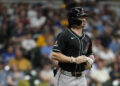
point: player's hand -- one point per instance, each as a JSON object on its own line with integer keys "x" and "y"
{"x": 81, "y": 59}
{"x": 88, "y": 66}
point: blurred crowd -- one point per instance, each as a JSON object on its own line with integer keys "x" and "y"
{"x": 28, "y": 32}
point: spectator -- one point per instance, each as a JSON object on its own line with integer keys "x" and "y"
{"x": 38, "y": 21}
{"x": 14, "y": 76}
{"x": 95, "y": 32}
{"x": 46, "y": 50}
{"x": 41, "y": 41}
{"x": 28, "y": 43}
{"x": 23, "y": 17}
{"x": 115, "y": 44}
{"x": 32, "y": 13}
{"x": 115, "y": 73}
{"x": 22, "y": 63}
{"x": 107, "y": 9}
{"x": 96, "y": 22}
{"x": 18, "y": 33}
{"x": 56, "y": 21}
{"x": 10, "y": 10}
{"x": 46, "y": 74}
{"x": 106, "y": 37}
{"x": 48, "y": 12}
{"x": 107, "y": 54}
{"x": 8, "y": 55}
{"x": 3, "y": 74}
{"x": 97, "y": 47}
{"x": 101, "y": 74}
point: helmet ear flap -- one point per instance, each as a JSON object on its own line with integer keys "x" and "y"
{"x": 74, "y": 22}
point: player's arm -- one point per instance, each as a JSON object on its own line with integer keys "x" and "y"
{"x": 63, "y": 58}
{"x": 60, "y": 57}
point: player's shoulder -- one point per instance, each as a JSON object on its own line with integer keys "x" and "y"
{"x": 63, "y": 33}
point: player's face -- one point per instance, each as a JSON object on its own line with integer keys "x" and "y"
{"x": 83, "y": 19}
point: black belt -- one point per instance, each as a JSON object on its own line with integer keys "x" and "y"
{"x": 76, "y": 74}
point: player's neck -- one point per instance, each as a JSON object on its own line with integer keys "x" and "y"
{"x": 77, "y": 31}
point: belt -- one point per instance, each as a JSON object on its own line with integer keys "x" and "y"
{"x": 76, "y": 74}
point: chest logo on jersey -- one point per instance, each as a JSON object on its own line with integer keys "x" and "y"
{"x": 72, "y": 37}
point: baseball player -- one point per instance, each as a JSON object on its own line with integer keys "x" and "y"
{"x": 73, "y": 51}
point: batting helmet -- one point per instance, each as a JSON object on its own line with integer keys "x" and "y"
{"x": 74, "y": 14}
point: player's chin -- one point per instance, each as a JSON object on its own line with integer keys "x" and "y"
{"x": 83, "y": 26}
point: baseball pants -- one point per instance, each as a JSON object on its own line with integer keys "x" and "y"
{"x": 64, "y": 80}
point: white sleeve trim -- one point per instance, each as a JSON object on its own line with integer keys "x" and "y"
{"x": 56, "y": 50}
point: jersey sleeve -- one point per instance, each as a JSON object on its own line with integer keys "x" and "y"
{"x": 60, "y": 43}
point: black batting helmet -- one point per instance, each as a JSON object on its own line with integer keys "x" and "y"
{"x": 74, "y": 14}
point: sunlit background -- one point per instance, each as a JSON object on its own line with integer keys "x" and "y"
{"x": 28, "y": 29}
